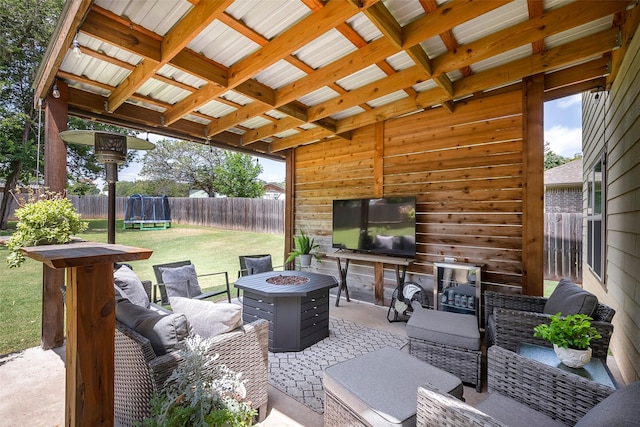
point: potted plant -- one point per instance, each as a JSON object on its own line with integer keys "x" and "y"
{"x": 44, "y": 218}
{"x": 570, "y": 336}
{"x": 200, "y": 393}
{"x": 303, "y": 245}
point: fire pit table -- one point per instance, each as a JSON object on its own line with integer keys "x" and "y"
{"x": 296, "y": 304}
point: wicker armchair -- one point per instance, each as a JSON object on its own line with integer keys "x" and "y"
{"x": 138, "y": 372}
{"x": 515, "y": 380}
{"x": 511, "y": 319}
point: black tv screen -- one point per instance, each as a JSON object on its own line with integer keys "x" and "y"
{"x": 385, "y": 225}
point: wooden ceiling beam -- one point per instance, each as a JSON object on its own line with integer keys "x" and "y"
{"x": 300, "y": 139}
{"x": 386, "y": 23}
{"x": 188, "y": 28}
{"x": 536, "y": 10}
{"x": 553, "y": 22}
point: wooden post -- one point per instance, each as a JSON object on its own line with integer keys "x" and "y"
{"x": 533, "y": 194}
{"x": 90, "y": 325}
{"x": 289, "y": 203}
{"x": 55, "y": 178}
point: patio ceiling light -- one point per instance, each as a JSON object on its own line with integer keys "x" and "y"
{"x": 76, "y": 47}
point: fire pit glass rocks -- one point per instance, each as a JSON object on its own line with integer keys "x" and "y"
{"x": 287, "y": 280}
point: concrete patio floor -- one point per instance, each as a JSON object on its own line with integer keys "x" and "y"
{"x": 32, "y": 382}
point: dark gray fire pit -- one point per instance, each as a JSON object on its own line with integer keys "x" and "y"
{"x": 296, "y": 304}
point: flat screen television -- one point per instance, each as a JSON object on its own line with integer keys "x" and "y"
{"x": 384, "y": 226}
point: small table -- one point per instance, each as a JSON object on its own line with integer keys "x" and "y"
{"x": 596, "y": 370}
{"x": 298, "y": 314}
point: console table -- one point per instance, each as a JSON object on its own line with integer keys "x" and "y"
{"x": 400, "y": 264}
{"x": 91, "y": 322}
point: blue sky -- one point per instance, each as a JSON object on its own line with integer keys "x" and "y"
{"x": 562, "y": 129}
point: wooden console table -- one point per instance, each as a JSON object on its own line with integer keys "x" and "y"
{"x": 379, "y": 261}
{"x": 91, "y": 322}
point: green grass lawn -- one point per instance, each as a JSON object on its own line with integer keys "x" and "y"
{"x": 209, "y": 249}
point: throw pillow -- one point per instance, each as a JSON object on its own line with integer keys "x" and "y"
{"x": 181, "y": 281}
{"x": 164, "y": 331}
{"x": 207, "y": 318}
{"x": 131, "y": 286}
{"x": 258, "y": 265}
{"x": 569, "y": 298}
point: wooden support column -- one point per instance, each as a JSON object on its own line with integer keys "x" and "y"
{"x": 91, "y": 320}
{"x": 533, "y": 181}
{"x": 289, "y": 203}
{"x": 378, "y": 191}
{"x": 55, "y": 178}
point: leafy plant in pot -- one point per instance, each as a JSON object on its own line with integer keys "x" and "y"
{"x": 570, "y": 336}
{"x": 303, "y": 245}
{"x": 44, "y": 218}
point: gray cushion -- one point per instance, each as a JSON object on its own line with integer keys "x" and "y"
{"x": 569, "y": 298}
{"x": 130, "y": 286}
{"x": 443, "y": 327}
{"x": 258, "y": 265}
{"x": 181, "y": 281}
{"x": 619, "y": 409}
{"x": 164, "y": 331}
{"x": 382, "y": 386}
{"x": 515, "y": 414}
{"x": 207, "y": 318}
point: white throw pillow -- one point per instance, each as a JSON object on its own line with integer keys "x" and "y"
{"x": 207, "y": 318}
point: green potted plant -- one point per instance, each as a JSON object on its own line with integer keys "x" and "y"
{"x": 44, "y": 218}
{"x": 570, "y": 336}
{"x": 200, "y": 393}
{"x": 303, "y": 245}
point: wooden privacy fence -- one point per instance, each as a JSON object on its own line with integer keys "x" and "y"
{"x": 563, "y": 246}
{"x": 259, "y": 215}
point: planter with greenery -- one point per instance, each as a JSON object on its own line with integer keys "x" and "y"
{"x": 303, "y": 245}
{"x": 200, "y": 393}
{"x": 570, "y": 336}
{"x": 43, "y": 219}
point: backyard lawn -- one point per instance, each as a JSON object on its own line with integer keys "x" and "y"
{"x": 209, "y": 249}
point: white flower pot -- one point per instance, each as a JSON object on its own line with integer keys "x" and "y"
{"x": 573, "y": 358}
{"x": 305, "y": 260}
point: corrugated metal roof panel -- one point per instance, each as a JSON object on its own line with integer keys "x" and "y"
{"x": 404, "y": 11}
{"x": 360, "y": 78}
{"x": 173, "y": 73}
{"x": 503, "y": 58}
{"x": 400, "y": 61}
{"x": 224, "y": 45}
{"x": 268, "y": 18}
{"x": 425, "y": 85}
{"x": 325, "y": 49}
{"x": 308, "y": 126}
{"x": 394, "y": 96}
{"x": 347, "y": 113}
{"x": 433, "y": 47}
{"x": 578, "y": 32}
{"x": 276, "y": 114}
{"x": 363, "y": 26}
{"x": 255, "y": 122}
{"x": 147, "y": 105}
{"x": 216, "y": 109}
{"x": 162, "y": 92}
{"x": 280, "y": 74}
{"x": 237, "y": 98}
{"x": 317, "y": 96}
{"x": 197, "y": 119}
{"x": 287, "y": 133}
{"x": 500, "y": 18}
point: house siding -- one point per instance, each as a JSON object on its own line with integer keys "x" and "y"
{"x": 612, "y": 124}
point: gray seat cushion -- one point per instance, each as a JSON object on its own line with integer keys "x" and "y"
{"x": 258, "y": 265}
{"x": 181, "y": 281}
{"x": 619, "y": 409}
{"x": 164, "y": 331}
{"x": 514, "y": 413}
{"x": 382, "y": 386}
{"x": 569, "y": 298}
{"x": 446, "y": 328}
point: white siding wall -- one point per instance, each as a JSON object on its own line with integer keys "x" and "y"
{"x": 618, "y": 115}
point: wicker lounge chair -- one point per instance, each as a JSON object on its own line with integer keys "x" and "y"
{"x": 139, "y": 372}
{"x": 522, "y": 392}
{"x": 511, "y": 319}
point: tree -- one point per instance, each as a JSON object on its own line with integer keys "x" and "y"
{"x": 183, "y": 162}
{"x": 551, "y": 159}
{"x": 85, "y": 187}
{"x": 238, "y": 176}
{"x": 152, "y": 188}
{"x": 27, "y": 26}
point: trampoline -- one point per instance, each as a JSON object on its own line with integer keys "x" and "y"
{"x": 148, "y": 213}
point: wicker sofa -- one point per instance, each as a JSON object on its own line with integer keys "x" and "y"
{"x": 524, "y": 392}
{"x": 511, "y": 318}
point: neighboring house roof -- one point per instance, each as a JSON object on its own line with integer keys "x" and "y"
{"x": 273, "y": 188}
{"x": 567, "y": 175}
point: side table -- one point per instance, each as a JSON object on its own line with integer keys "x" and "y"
{"x": 596, "y": 370}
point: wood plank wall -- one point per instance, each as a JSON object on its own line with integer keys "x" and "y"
{"x": 465, "y": 168}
